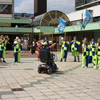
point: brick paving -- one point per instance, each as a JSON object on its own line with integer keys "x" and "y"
{"x": 9, "y": 54}
{"x": 21, "y": 81}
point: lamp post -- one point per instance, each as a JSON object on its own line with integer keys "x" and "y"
{"x": 32, "y": 17}
{"x": 16, "y": 27}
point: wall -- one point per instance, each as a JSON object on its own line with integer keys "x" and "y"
{"x": 6, "y": 1}
{"x": 96, "y": 35}
{"x": 77, "y": 15}
{"x": 7, "y": 14}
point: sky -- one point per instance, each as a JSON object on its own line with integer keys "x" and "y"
{"x": 27, "y": 6}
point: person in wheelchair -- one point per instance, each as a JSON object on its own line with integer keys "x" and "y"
{"x": 46, "y": 48}
{"x": 46, "y": 56}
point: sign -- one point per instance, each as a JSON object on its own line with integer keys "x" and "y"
{"x": 5, "y": 24}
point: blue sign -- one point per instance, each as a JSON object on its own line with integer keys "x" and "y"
{"x": 61, "y": 25}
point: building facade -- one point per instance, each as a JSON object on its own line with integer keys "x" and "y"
{"x": 40, "y": 7}
{"x": 22, "y": 15}
{"x": 76, "y": 19}
{"x": 6, "y": 8}
{"x": 81, "y": 4}
{"x": 46, "y": 25}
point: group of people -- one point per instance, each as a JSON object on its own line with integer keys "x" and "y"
{"x": 90, "y": 51}
{"x": 4, "y": 40}
{"x": 75, "y": 49}
{"x": 17, "y": 46}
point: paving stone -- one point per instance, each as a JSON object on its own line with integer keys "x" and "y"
{"x": 8, "y": 96}
{"x": 37, "y": 82}
{"x": 26, "y": 98}
{"x": 88, "y": 98}
{"x": 11, "y": 99}
{"x": 6, "y": 93}
{"x": 42, "y": 97}
{"x": 21, "y": 94}
{"x": 54, "y": 97}
{"x": 26, "y": 86}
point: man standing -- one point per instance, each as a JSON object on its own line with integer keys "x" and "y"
{"x": 33, "y": 46}
{"x": 75, "y": 48}
{"x": 64, "y": 49}
{"x": 5, "y": 41}
{"x": 85, "y": 53}
{"x": 92, "y": 47}
{"x": 16, "y": 51}
{"x": 96, "y": 58}
{"x": 1, "y": 48}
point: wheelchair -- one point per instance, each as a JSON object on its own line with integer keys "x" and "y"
{"x": 48, "y": 59}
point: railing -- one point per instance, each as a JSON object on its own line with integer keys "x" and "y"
{"x": 88, "y": 1}
{"x": 80, "y": 3}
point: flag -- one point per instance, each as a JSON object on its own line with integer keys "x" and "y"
{"x": 61, "y": 25}
{"x": 86, "y": 18}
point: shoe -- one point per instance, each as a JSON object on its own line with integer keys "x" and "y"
{"x": 86, "y": 66}
{"x": 15, "y": 61}
{"x": 99, "y": 68}
{"x": 82, "y": 66}
{"x": 19, "y": 61}
{"x": 4, "y": 61}
{"x": 74, "y": 60}
{"x": 94, "y": 67}
{"x": 61, "y": 60}
{"x": 78, "y": 60}
{"x": 65, "y": 60}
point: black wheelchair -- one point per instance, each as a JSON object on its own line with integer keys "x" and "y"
{"x": 48, "y": 59}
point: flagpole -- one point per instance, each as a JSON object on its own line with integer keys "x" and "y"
{"x": 65, "y": 34}
{"x": 81, "y": 21}
{"x": 71, "y": 25}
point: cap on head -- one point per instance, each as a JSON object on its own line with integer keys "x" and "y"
{"x": 17, "y": 37}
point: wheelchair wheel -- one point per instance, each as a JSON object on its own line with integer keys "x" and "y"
{"x": 49, "y": 71}
{"x": 54, "y": 67}
{"x": 39, "y": 71}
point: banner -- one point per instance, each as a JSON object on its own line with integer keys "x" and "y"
{"x": 5, "y": 24}
{"x": 86, "y": 18}
{"x": 61, "y": 25}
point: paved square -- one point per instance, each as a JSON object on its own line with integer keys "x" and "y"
{"x": 21, "y": 81}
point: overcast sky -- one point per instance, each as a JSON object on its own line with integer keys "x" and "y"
{"x": 27, "y": 6}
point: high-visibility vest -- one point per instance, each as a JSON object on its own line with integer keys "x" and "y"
{"x": 1, "y": 46}
{"x": 86, "y": 49}
{"x": 75, "y": 46}
{"x": 16, "y": 47}
{"x": 98, "y": 49}
{"x": 92, "y": 49}
{"x": 65, "y": 45}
